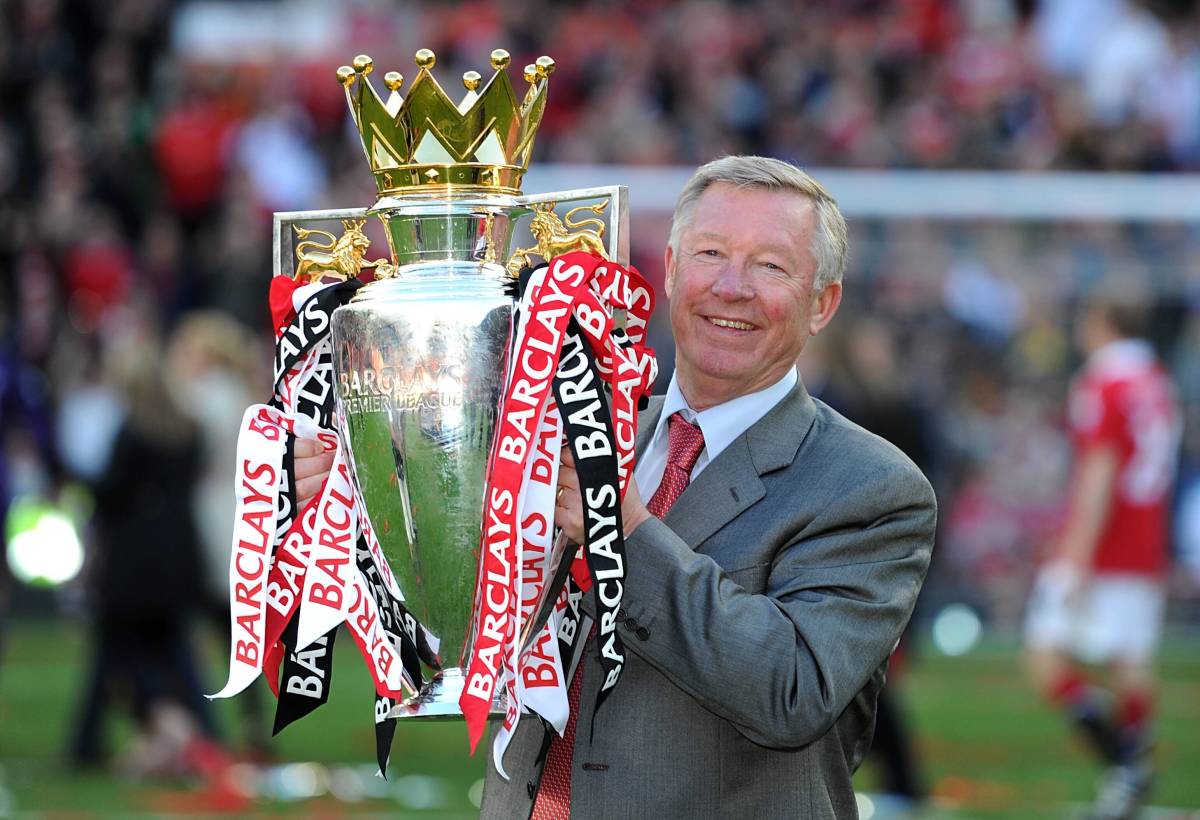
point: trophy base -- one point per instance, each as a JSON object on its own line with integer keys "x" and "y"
{"x": 438, "y": 699}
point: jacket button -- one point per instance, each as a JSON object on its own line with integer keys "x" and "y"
{"x": 620, "y": 614}
{"x": 631, "y": 624}
{"x": 642, "y": 633}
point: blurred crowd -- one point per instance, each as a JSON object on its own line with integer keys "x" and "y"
{"x": 957, "y": 343}
{"x": 140, "y": 162}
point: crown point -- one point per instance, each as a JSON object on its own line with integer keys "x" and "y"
{"x": 345, "y": 75}
{"x": 393, "y": 80}
{"x": 530, "y": 73}
{"x": 425, "y": 59}
{"x": 432, "y": 175}
{"x": 500, "y": 59}
{"x": 471, "y": 80}
{"x": 545, "y": 66}
{"x": 363, "y": 64}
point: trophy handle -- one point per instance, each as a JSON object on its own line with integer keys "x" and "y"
{"x": 311, "y": 260}
{"x": 612, "y": 243}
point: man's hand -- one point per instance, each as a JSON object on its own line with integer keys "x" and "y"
{"x": 568, "y": 505}
{"x": 312, "y": 464}
{"x": 633, "y": 511}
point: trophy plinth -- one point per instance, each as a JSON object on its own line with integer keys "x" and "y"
{"x": 438, "y": 699}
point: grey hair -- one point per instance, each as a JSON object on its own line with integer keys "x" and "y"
{"x": 830, "y": 241}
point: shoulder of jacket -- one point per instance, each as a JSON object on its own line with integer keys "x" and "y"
{"x": 836, "y": 444}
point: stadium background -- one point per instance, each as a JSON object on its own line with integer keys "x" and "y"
{"x": 997, "y": 158}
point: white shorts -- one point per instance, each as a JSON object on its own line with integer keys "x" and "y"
{"x": 1116, "y": 616}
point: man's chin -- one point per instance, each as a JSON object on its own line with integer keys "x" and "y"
{"x": 713, "y": 383}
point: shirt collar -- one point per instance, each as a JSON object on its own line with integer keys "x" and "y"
{"x": 723, "y": 423}
{"x": 1121, "y": 355}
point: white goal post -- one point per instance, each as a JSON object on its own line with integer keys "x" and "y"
{"x": 943, "y": 195}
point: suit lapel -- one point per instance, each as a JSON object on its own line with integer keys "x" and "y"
{"x": 732, "y": 482}
{"x": 727, "y": 487}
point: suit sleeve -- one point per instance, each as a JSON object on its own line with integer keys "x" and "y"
{"x": 782, "y": 666}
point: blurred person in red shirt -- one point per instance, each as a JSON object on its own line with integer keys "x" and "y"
{"x": 1099, "y": 599}
{"x": 191, "y": 148}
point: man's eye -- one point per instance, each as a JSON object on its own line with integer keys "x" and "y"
{"x": 713, "y": 252}
{"x": 771, "y": 266}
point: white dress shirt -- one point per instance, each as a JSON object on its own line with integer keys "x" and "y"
{"x": 720, "y": 425}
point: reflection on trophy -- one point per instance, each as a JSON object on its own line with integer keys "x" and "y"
{"x": 420, "y": 352}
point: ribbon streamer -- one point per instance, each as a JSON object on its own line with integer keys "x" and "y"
{"x": 584, "y": 289}
{"x": 297, "y": 574}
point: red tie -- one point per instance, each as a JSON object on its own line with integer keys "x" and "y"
{"x": 554, "y": 796}
{"x": 684, "y": 445}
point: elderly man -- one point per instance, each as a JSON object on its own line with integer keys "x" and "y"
{"x": 778, "y": 556}
{"x": 775, "y": 563}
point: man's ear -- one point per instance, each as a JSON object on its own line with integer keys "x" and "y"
{"x": 825, "y": 305}
{"x": 669, "y": 269}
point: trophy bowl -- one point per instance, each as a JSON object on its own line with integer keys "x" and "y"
{"x": 420, "y": 360}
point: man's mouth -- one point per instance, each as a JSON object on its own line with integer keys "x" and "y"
{"x": 729, "y": 323}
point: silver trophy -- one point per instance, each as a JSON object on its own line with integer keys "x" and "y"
{"x": 420, "y": 351}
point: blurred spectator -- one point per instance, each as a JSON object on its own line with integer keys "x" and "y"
{"x": 90, "y": 412}
{"x": 1064, "y": 31}
{"x": 984, "y": 300}
{"x": 859, "y": 375}
{"x": 146, "y": 581}
{"x": 28, "y": 463}
{"x": 866, "y": 384}
{"x": 214, "y": 375}
{"x": 191, "y": 146}
{"x": 1187, "y": 532}
{"x": 274, "y": 150}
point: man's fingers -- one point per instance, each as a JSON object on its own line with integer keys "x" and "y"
{"x": 306, "y": 488}
{"x": 317, "y": 465}
{"x": 567, "y": 477}
{"x": 567, "y": 457}
{"x": 311, "y": 464}
{"x": 307, "y": 447}
{"x": 568, "y": 514}
{"x": 567, "y": 495}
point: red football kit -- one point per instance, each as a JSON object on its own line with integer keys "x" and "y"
{"x": 1124, "y": 399}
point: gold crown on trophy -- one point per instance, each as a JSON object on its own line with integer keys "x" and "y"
{"x": 425, "y": 142}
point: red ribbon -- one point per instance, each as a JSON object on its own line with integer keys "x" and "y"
{"x": 589, "y": 288}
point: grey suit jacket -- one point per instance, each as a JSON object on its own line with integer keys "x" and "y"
{"x": 757, "y": 619}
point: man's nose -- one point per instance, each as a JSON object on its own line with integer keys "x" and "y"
{"x": 732, "y": 284}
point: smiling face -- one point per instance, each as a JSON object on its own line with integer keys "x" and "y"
{"x": 741, "y": 286}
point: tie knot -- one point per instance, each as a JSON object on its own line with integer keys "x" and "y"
{"x": 684, "y": 443}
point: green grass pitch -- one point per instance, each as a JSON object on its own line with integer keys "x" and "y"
{"x": 988, "y": 748}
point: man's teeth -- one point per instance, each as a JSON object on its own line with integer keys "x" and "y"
{"x": 730, "y": 323}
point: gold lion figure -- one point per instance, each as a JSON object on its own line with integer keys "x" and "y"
{"x": 340, "y": 257}
{"x": 558, "y": 236}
